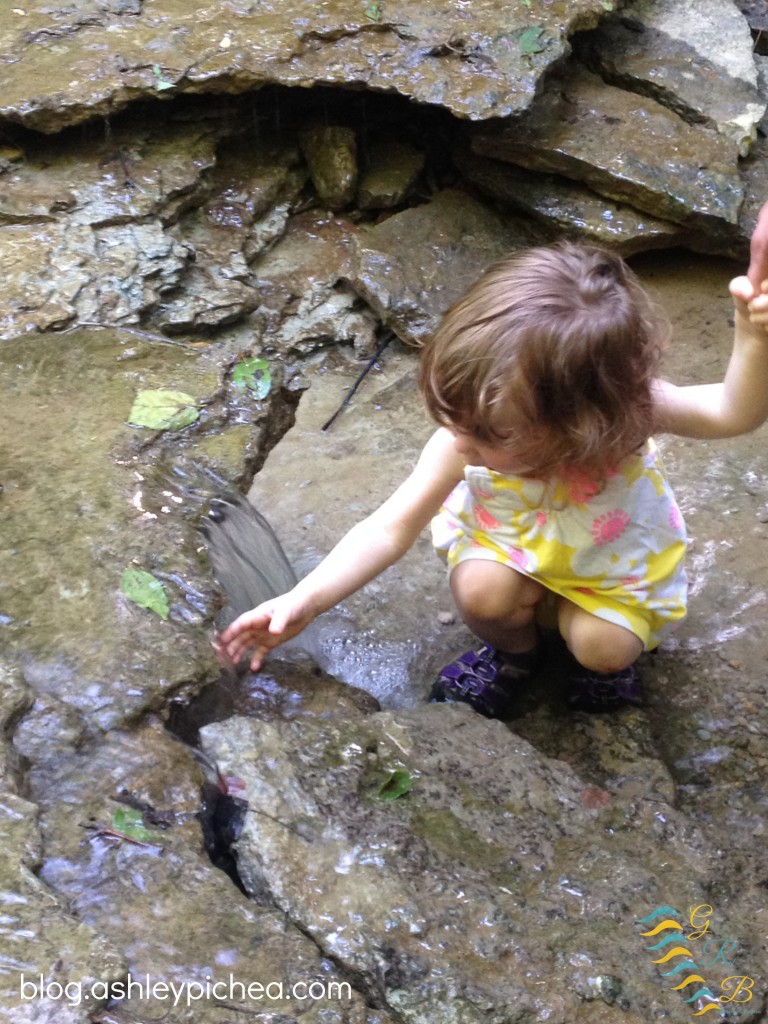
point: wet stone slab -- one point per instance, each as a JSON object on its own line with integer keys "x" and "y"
{"x": 87, "y": 496}
{"x": 568, "y": 208}
{"x": 178, "y": 920}
{"x": 478, "y": 60}
{"x": 411, "y": 267}
{"x": 694, "y": 56}
{"x": 45, "y": 950}
{"x": 628, "y": 148}
{"x": 499, "y": 886}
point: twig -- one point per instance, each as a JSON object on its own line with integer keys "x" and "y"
{"x": 366, "y": 370}
{"x": 130, "y": 330}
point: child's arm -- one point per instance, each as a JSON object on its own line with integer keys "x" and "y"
{"x": 365, "y": 551}
{"x": 740, "y": 402}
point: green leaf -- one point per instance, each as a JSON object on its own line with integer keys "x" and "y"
{"x": 607, "y": 5}
{"x": 130, "y": 822}
{"x": 160, "y": 82}
{"x": 530, "y": 40}
{"x": 254, "y": 374}
{"x": 373, "y": 12}
{"x": 145, "y": 590}
{"x": 527, "y": 3}
{"x": 398, "y": 784}
{"x": 163, "y": 410}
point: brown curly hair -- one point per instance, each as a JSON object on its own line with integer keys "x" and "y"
{"x": 551, "y": 353}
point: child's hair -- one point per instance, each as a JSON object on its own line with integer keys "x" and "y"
{"x": 550, "y": 353}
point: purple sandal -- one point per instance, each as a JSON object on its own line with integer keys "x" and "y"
{"x": 597, "y": 692}
{"x": 486, "y": 680}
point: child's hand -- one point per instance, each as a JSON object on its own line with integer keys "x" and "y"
{"x": 260, "y": 630}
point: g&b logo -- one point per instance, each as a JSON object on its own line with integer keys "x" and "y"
{"x": 710, "y": 952}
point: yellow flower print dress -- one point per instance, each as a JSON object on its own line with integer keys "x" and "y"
{"x": 615, "y": 549}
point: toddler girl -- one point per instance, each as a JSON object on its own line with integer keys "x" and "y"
{"x": 542, "y": 482}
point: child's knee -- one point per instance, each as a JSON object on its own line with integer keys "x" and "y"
{"x": 601, "y": 646}
{"x": 491, "y": 592}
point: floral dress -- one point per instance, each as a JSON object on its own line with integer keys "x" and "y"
{"x": 614, "y": 548}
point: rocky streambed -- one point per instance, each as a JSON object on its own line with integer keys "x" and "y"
{"x": 190, "y": 236}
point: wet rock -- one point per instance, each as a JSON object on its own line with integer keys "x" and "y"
{"x": 83, "y": 227}
{"x": 412, "y": 266}
{"x": 568, "y": 208}
{"x": 478, "y": 60}
{"x": 129, "y": 499}
{"x": 290, "y": 686}
{"x": 628, "y": 148}
{"x": 49, "y": 956}
{"x": 178, "y": 919}
{"x": 500, "y": 885}
{"x": 390, "y": 175}
{"x": 331, "y": 154}
{"x": 136, "y": 171}
{"x": 49, "y": 729}
{"x": 304, "y": 301}
{"x": 694, "y": 57}
{"x": 15, "y": 699}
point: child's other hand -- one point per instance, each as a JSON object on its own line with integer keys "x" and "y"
{"x": 260, "y": 630}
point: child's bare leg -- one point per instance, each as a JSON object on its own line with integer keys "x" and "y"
{"x": 497, "y": 603}
{"x": 598, "y": 645}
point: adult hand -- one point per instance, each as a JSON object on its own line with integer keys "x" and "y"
{"x": 758, "y": 250}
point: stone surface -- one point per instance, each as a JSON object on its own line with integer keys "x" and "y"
{"x": 566, "y": 207}
{"x": 331, "y": 154}
{"x": 613, "y": 142}
{"x": 478, "y": 60}
{"x": 391, "y": 172}
{"x": 412, "y": 266}
{"x": 304, "y": 302}
{"x": 178, "y": 919}
{"x": 120, "y": 503}
{"x": 48, "y": 957}
{"x": 15, "y": 699}
{"x": 499, "y": 886}
{"x": 693, "y": 56}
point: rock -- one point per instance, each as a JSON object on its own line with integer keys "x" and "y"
{"x": 627, "y": 148}
{"x": 15, "y": 699}
{"x": 479, "y": 60}
{"x": 466, "y": 898}
{"x": 304, "y": 301}
{"x": 128, "y": 499}
{"x": 695, "y": 57}
{"x": 50, "y": 958}
{"x": 392, "y": 169}
{"x": 568, "y": 208}
{"x": 755, "y": 13}
{"x": 411, "y": 267}
{"x": 331, "y": 153}
{"x": 131, "y": 173}
{"x": 179, "y": 919}
{"x": 290, "y": 685}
